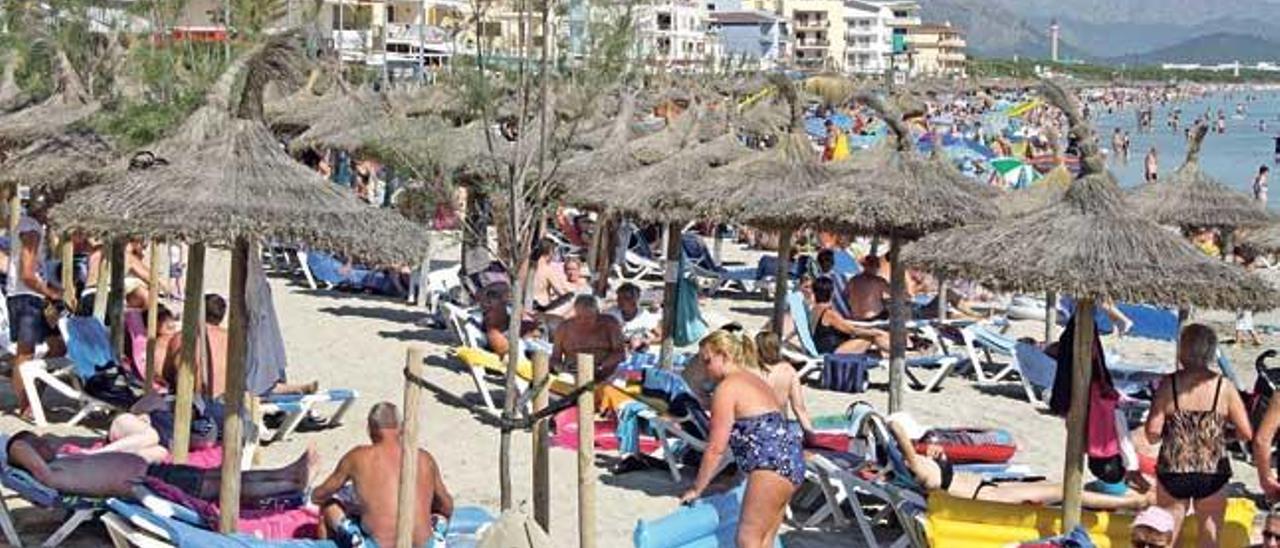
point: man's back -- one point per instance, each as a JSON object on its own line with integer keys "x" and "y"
{"x": 866, "y": 296}
{"x": 376, "y": 477}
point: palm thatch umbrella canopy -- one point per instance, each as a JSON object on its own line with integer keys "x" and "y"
{"x": 1048, "y": 190}
{"x": 1093, "y": 246}
{"x": 69, "y": 104}
{"x": 1191, "y": 198}
{"x": 666, "y": 192}
{"x": 240, "y": 188}
{"x": 54, "y": 166}
{"x": 11, "y": 96}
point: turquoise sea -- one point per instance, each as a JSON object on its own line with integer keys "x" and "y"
{"x": 1233, "y": 158}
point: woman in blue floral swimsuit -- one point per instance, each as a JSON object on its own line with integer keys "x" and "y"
{"x": 746, "y": 418}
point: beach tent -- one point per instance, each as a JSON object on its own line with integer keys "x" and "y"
{"x": 1093, "y": 245}
{"x": 1013, "y": 173}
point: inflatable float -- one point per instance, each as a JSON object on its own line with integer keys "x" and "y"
{"x": 710, "y": 522}
{"x": 953, "y": 522}
{"x": 971, "y": 445}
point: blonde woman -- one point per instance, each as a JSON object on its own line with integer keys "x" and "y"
{"x": 747, "y": 419}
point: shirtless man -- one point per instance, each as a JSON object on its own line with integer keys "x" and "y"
{"x": 867, "y": 292}
{"x": 116, "y": 474}
{"x": 588, "y": 332}
{"x": 366, "y": 484}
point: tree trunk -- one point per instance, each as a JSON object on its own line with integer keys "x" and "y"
{"x": 192, "y": 341}
{"x": 670, "y": 296}
{"x": 897, "y": 324}
{"x": 1078, "y": 414}
{"x": 781, "y": 276}
{"x": 233, "y": 422}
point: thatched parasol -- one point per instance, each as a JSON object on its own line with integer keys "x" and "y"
{"x": 1191, "y": 198}
{"x": 54, "y": 166}
{"x": 1093, "y": 246}
{"x": 582, "y": 174}
{"x": 666, "y": 192}
{"x": 69, "y": 104}
{"x": 1261, "y": 240}
{"x": 239, "y": 188}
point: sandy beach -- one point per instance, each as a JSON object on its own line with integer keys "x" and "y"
{"x": 359, "y": 342}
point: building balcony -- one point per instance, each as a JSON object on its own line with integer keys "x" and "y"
{"x": 811, "y": 24}
{"x": 953, "y": 57}
{"x": 953, "y": 43}
{"x": 812, "y": 44}
{"x": 898, "y": 22}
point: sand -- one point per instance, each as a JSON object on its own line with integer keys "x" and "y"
{"x": 359, "y": 342}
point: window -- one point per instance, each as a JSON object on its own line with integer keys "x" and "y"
{"x": 352, "y": 17}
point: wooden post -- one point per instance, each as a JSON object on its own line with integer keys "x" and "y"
{"x": 68, "y": 254}
{"x": 541, "y": 447}
{"x": 153, "y": 317}
{"x": 586, "y": 454}
{"x": 942, "y": 298}
{"x": 897, "y": 324}
{"x": 192, "y": 342}
{"x": 407, "y": 501}
{"x": 102, "y": 286}
{"x": 1078, "y": 414}
{"x": 671, "y": 282}
{"x": 717, "y": 243}
{"x": 233, "y": 422}
{"x": 15, "y": 212}
{"x": 1050, "y": 316}
{"x": 1228, "y": 243}
{"x": 420, "y": 300}
{"x": 604, "y": 259}
{"x": 115, "y": 297}
{"x": 781, "y": 276}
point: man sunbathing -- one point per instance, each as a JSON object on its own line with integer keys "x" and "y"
{"x": 116, "y": 474}
{"x": 933, "y": 472}
{"x": 588, "y": 332}
{"x": 866, "y": 294}
{"x": 365, "y": 486}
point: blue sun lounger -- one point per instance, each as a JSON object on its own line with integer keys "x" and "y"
{"x": 297, "y": 407}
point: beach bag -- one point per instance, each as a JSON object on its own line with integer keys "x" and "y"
{"x": 845, "y": 372}
{"x": 1060, "y": 399}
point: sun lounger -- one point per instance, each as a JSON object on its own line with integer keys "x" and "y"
{"x": 78, "y": 509}
{"x": 633, "y": 267}
{"x": 61, "y": 373}
{"x": 297, "y": 407}
{"x": 982, "y": 344}
{"x": 479, "y": 361}
{"x": 810, "y": 359}
{"x": 888, "y": 503}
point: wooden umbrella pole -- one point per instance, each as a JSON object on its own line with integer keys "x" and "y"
{"x": 233, "y": 422}
{"x": 1050, "y": 315}
{"x": 1228, "y": 243}
{"x": 67, "y": 252}
{"x": 586, "y": 454}
{"x": 541, "y": 447}
{"x": 15, "y": 212}
{"x": 102, "y": 286}
{"x": 192, "y": 341}
{"x": 671, "y": 278}
{"x": 942, "y": 298}
{"x": 1078, "y": 414}
{"x": 115, "y": 298}
{"x": 781, "y": 276}
{"x": 897, "y": 324}
{"x": 604, "y": 256}
{"x": 153, "y": 317}
{"x": 406, "y": 501}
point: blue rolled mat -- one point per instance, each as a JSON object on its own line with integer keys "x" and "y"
{"x": 710, "y": 522}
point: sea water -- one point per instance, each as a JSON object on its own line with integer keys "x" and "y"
{"x": 1232, "y": 158}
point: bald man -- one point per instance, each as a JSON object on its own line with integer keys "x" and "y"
{"x": 359, "y": 499}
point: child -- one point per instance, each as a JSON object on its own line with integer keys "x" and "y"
{"x": 1152, "y": 528}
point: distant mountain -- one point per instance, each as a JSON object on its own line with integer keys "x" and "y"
{"x": 993, "y": 31}
{"x": 1213, "y": 48}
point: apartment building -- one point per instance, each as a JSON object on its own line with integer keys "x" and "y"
{"x": 675, "y": 33}
{"x": 819, "y": 30}
{"x": 399, "y": 33}
{"x": 756, "y": 35}
{"x": 937, "y": 50}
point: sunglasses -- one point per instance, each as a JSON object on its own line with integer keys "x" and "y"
{"x": 1269, "y": 536}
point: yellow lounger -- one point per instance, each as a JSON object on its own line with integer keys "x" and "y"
{"x": 482, "y": 360}
{"x": 953, "y": 522}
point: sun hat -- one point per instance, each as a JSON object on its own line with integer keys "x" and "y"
{"x": 1155, "y": 518}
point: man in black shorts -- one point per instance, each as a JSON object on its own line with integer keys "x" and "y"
{"x": 27, "y": 290}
